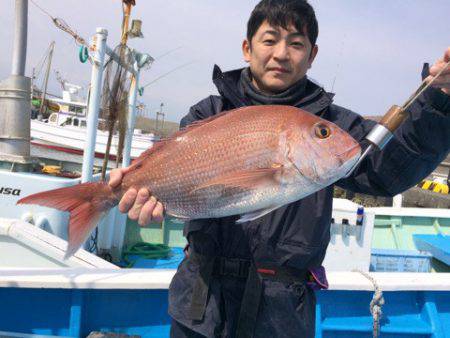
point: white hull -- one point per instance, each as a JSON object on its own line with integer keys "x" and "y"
{"x": 75, "y": 138}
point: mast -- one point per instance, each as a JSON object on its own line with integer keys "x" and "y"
{"x": 47, "y": 74}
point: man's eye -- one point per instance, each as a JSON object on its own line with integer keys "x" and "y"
{"x": 297, "y": 44}
{"x": 269, "y": 42}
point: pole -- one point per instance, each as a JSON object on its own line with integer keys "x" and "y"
{"x": 20, "y": 38}
{"x": 99, "y": 46}
{"x": 125, "y": 22}
{"x": 131, "y": 120}
{"x": 120, "y": 219}
{"x": 15, "y": 100}
{"x": 47, "y": 74}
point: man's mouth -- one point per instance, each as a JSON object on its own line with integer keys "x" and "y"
{"x": 279, "y": 69}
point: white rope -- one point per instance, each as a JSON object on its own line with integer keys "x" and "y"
{"x": 375, "y": 304}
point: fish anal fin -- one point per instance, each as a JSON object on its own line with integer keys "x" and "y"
{"x": 255, "y": 214}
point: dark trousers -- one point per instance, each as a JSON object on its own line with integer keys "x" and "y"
{"x": 178, "y": 330}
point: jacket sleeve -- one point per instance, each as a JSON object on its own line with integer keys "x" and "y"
{"x": 202, "y": 110}
{"x": 417, "y": 148}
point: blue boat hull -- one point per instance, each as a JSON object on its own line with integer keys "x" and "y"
{"x": 77, "y": 312}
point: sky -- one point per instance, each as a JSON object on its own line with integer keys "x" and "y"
{"x": 370, "y": 51}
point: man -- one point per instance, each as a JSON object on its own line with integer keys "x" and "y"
{"x": 254, "y": 279}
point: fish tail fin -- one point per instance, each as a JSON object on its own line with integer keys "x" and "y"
{"x": 87, "y": 204}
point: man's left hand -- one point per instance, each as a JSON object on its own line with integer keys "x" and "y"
{"x": 443, "y": 81}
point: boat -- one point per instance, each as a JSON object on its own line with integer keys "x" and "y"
{"x": 134, "y": 301}
{"x": 77, "y": 301}
{"x": 65, "y": 129}
{"x": 67, "y": 133}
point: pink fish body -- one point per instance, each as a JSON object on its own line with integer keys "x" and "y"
{"x": 247, "y": 162}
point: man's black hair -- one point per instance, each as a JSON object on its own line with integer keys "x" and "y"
{"x": 282, "y": 13}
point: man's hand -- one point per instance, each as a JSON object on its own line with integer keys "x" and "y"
{"x": 443, "y": 81}
{"x": 140, "y": 205}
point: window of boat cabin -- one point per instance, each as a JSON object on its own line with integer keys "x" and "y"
{"x": 76, "y": 109}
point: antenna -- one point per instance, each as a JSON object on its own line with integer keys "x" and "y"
{"x": 159, "y": 114}
{"x": 338, "y": 59}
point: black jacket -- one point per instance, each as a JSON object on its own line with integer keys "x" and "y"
{"x": 298, "y": 234}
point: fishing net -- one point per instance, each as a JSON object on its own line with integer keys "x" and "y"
{"x": 114, "y": 104}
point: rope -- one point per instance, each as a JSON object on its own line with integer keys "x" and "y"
{"x": 375, "y": 304}
{"x": 61, "y": 24}
{"x": 42, "y": 10}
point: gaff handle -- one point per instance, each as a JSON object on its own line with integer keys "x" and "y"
{"x": 394, "y": 118}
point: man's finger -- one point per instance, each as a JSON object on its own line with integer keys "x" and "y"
{"x": 115, "y": 177}
{"x": 142, "y": 197}
{"x": 145, "y": 216}
{"x": 437, "y": 67}
{"x": 127, "y": 200}
{"x": 158, "y": 212}
{"x": 443, "y": 79}
{"x": 447, "y": 55}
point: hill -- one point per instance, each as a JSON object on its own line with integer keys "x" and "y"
{"x": 150, "y": 126}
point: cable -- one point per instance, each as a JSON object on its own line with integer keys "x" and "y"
{"x": 169, "y": 72}
{"x": 43, "y": 10}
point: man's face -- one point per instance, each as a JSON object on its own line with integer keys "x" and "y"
{"x": 278, "y": 57}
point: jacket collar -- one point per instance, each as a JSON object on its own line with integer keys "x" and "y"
{"x": 315, "y": 100}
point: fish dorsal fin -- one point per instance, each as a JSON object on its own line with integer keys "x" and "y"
{"x": 161, "y": 143}
{"x": 244, "y": 179}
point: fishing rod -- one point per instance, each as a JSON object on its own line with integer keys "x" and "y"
{"x": 382, "y": 132}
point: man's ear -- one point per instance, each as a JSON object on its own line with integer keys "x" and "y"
{"x": 313, "y": 54}
{"x": 246, "y": 50}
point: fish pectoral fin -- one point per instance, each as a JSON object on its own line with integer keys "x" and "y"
{"x": 181, "y": 217}
{"x": 255, "y": 214}
{"x": 245, "y": 179}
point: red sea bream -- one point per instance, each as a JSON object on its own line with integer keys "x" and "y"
{"x": 246, "y": 161}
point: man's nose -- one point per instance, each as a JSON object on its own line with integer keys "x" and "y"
{"x": 281, "y": 51}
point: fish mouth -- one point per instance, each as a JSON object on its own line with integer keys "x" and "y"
{"x": 351, "y": 156}
{"x": 352, "y": 153}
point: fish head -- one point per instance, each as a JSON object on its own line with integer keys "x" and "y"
{"x": 320, "y": 150}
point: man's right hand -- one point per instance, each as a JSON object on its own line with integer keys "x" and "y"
{"x": 140, "y": 205}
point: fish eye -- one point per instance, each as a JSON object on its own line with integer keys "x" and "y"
{"x": 322, "y": 131}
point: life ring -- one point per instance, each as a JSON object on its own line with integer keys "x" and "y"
{"x": 83, "y": 54}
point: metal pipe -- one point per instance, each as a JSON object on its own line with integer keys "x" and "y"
{"x": 131, "y": 120}
{"x": 20, "y": 38}
{"x": 15, "y": 119}
{"x": 120, "y": 219}
{"x": 99, "y": 46}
